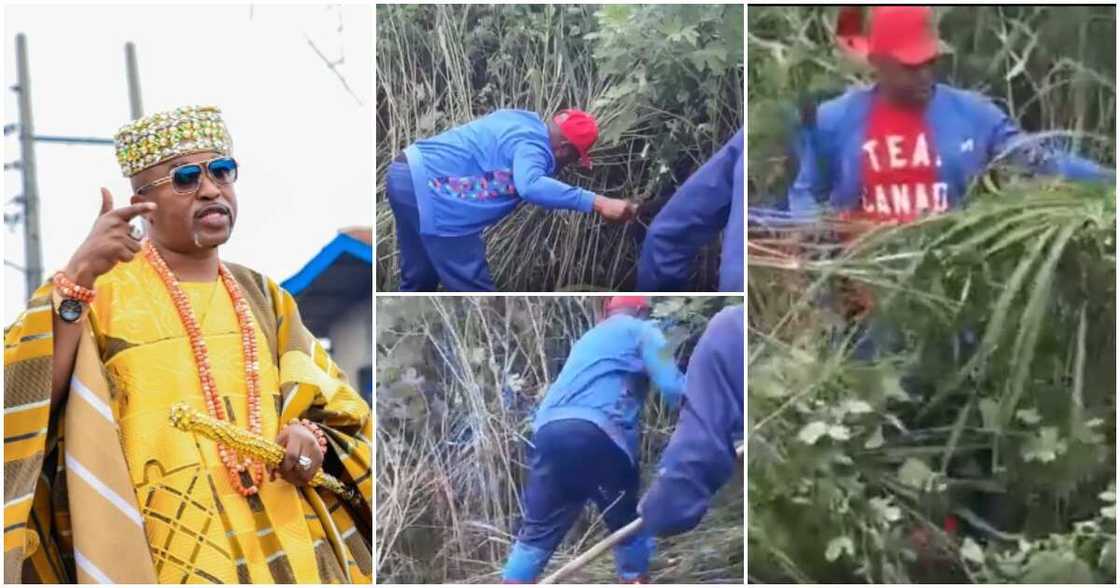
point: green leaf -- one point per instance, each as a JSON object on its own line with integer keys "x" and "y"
{"x": 1044, "y": 447}
{"x": 884, "y": 508}
{"x": 839, "y": 432}
{"x": 876, "y": 440}
{"x": 856, "y": 407}
{"x": 614, "y": 128}
{"x": 1029, "y": 416}
{"x": 892, "y": 386}
{"x": 1033, "y": 319}
{"x": 614, "y": 15}
{"x": 839, "y": 546}
{"x": 766, "y": 383}
{"x": 1107, "y": 560}
{"x": 1057, "y": 567}
{"x": 813, "y": 431}
{"x": 667, "y": 307}
{"x": 915, "y": 473}
{"x": 429, "y": 121}
{"x": 989, "y": 414}
{"x": 411, "y": 377}
{"x": 971, "y": 551}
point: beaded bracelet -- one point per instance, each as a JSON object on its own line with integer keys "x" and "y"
{"x": 71, "y": 289}
{"x": 320, "y": 438}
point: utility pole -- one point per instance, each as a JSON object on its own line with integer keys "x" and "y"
{"x": 135, "y": 106}
{"x": 32, "y": 241}
{"x": 32, "y": 238}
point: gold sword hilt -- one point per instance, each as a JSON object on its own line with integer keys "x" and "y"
{"x": 246, "y": 444}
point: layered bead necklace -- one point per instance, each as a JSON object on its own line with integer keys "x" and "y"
{"x": 249, "y": 356}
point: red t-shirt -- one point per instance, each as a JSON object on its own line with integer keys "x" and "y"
{"x": 900, "y": 164}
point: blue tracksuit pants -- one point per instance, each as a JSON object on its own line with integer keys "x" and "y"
{"x": 427, "y": 260}
{"x": 573, "y": 462}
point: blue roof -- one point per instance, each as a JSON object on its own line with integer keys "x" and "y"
{"x": 338, "y": 276}
{"x": 343, "y": 244}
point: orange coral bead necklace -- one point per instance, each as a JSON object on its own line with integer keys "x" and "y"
{"x": 249, "y": 356}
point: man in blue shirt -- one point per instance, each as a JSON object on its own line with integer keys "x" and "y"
{"x": 700, "y": 457}
{"x": 908, "y": 146}
{"x": 445, "y": 190}
{"x": 709, "y": 201}
{"x": 585, "y": 439}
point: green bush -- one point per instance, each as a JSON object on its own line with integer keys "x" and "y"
{"x": 1016, "y": 438}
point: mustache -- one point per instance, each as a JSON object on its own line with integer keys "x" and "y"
{"x": 215, "y": 207}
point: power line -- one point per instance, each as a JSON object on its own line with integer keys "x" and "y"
{"x": 73, "y": 140}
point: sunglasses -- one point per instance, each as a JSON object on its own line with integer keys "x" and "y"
{"x": 186, "y": 178}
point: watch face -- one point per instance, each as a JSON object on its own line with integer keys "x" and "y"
{"x": 70, "y": 310}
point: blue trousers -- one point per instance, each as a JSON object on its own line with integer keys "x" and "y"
{"x": 427, "y": 260}
{"x": 575, "y": 462}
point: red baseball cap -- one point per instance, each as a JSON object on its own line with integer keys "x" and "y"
{"x": 905, "y": 33}
{"x": 614, "y": 303}
{"x": 580, "y": 129}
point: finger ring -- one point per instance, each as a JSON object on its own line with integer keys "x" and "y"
{"x": 304, "y": 462}
{"x": 135, "y": 230}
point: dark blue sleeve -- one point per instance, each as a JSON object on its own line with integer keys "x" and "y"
{"x": 530, "y": 177}
{"x": 700, "y": 457}
{"x": 731, "y": 257}
{"x": 1033, "y": 152}
{"x": 694, "y": 216}
{"x": 812, "y": 183}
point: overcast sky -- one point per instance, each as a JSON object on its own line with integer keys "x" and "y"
{"x": 304, "y": 143}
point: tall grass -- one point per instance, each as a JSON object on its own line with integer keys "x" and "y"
{"x": 441, "y": 66}
{"x": 458, "y": 379}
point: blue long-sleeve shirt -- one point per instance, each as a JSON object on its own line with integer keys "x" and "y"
{"x": 969, "y": 133}
{"x": 605, "y": 379}
{"x": 472, "y": 176}
{"x": 709, "y": 201}
{"x": 700, "y": 457}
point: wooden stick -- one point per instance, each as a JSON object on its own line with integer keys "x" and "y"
{"x": 601, "y": 547}
{"x": 596, "y": 550}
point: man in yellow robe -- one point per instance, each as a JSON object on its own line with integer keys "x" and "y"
{"x": 98, "y": 485}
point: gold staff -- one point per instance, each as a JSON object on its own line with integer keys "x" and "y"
{"x": 190, "y": 420}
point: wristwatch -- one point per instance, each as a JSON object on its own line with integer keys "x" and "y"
{"x": 70, "y": 300}
{"x": 70, "y": 310}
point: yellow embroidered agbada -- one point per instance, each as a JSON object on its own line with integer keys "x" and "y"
{"x": 157, "y": 505}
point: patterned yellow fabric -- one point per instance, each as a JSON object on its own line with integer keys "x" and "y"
{"x": 197, "y": 528}
{"x": 95, "y": 476}
{"x": 27, "y": 352}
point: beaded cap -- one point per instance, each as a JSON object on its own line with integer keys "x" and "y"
{"x": 158, "y": 137}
